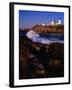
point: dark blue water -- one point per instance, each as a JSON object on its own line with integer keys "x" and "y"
{"x": 48, "y": 36}
{"x": 53, "y": 36}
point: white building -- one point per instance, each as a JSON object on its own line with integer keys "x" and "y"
{"x": 52, "y": 22}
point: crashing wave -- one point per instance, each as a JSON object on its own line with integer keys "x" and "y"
{"x": 35, "y": 37}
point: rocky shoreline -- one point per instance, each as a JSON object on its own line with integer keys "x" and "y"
{"x": 56, "y": 29}
{"x": 38, "y": 60}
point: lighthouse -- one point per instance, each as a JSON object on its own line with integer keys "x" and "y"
{"x": 59, "y": 22}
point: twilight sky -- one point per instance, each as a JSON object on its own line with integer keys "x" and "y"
{"x": 29, "y": 18}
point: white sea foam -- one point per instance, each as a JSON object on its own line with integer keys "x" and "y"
{"x": 35, "y": 37}
{"x": 31, "y": 34}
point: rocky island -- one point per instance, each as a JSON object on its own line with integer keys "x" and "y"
{"x": 57, "y": 29}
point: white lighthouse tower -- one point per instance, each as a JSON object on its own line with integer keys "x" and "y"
{"x": 59, "y": 22}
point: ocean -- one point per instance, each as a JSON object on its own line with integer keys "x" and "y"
{"x": 45, "y": 38}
